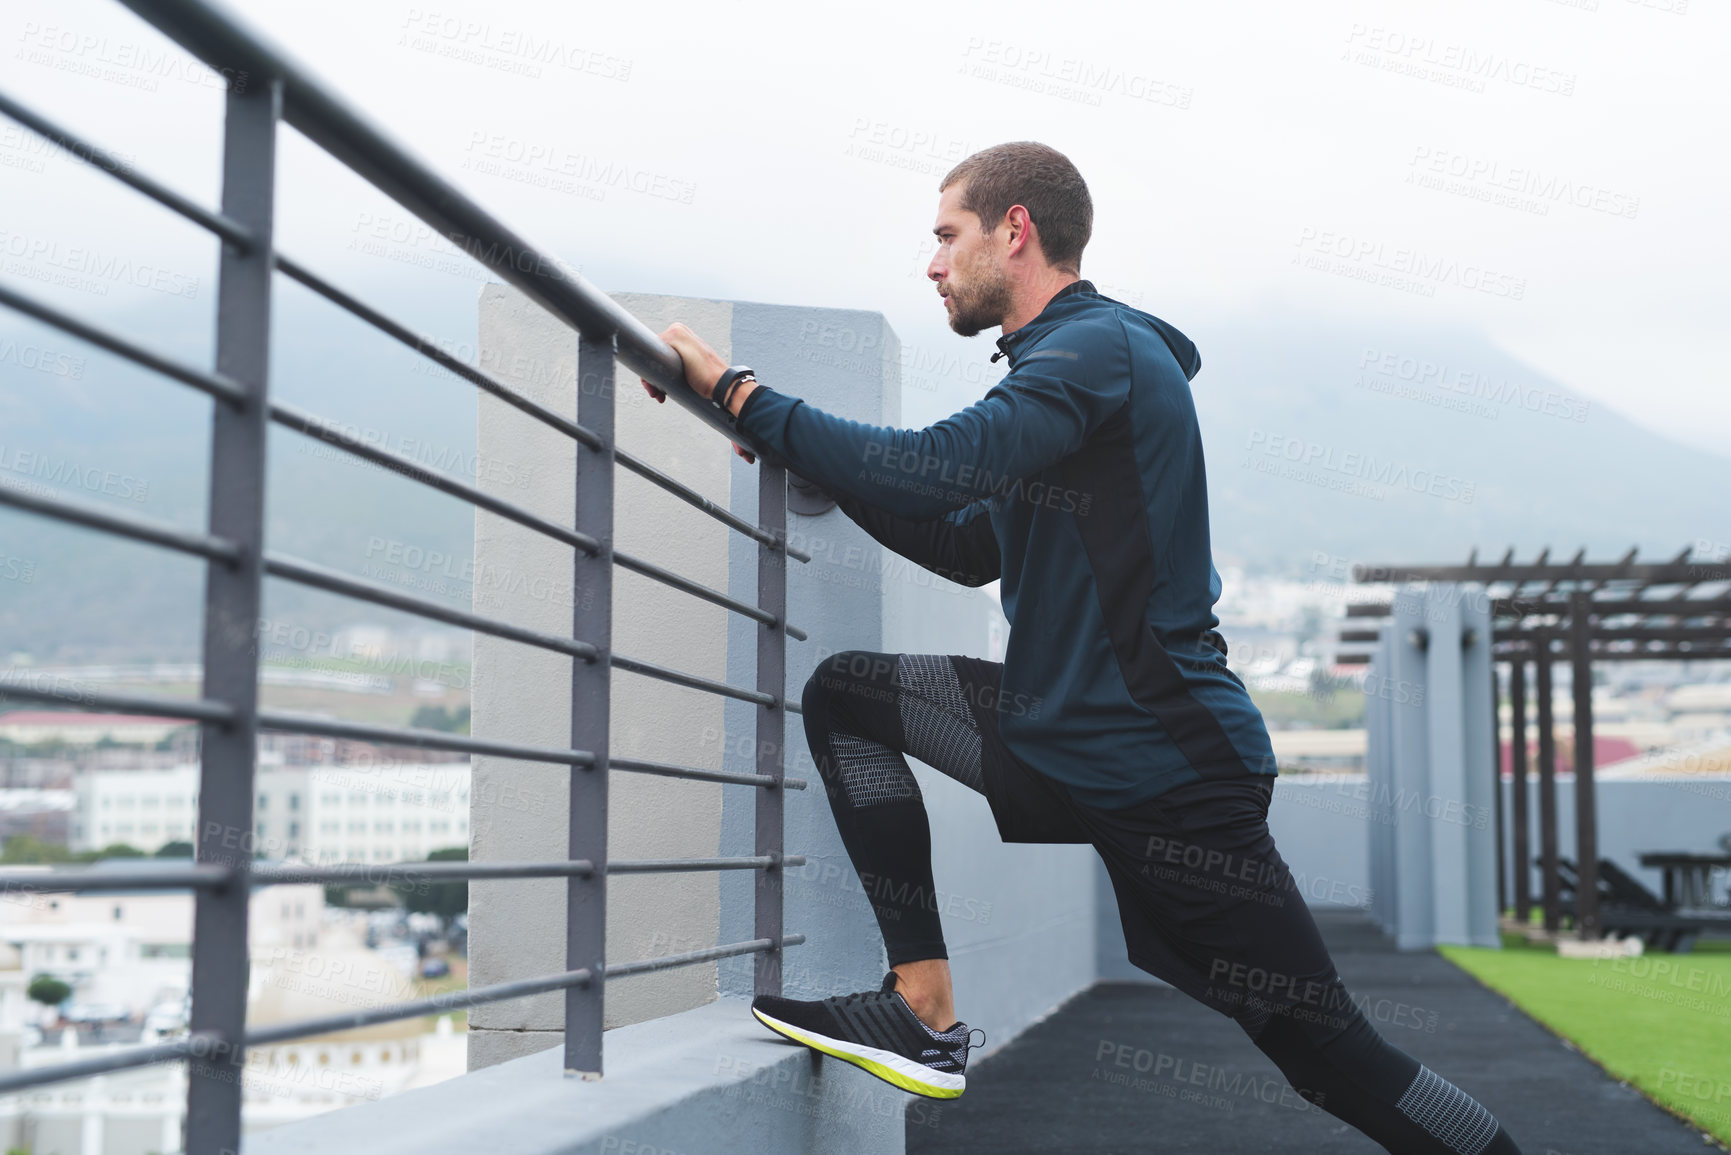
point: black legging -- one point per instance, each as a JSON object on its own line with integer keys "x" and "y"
{"x": 1208, "y": 905}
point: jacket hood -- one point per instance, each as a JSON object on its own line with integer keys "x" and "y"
{"x": 1079, "y": 295}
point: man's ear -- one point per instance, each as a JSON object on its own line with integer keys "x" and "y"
{"x": 1021, "y": 228}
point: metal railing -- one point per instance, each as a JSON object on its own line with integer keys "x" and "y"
{"x": 265, "y": 89}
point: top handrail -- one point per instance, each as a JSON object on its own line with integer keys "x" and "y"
{"x": 224, "y": 42}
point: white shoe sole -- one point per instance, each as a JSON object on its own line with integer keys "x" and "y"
{"x": 887, "y": 1065}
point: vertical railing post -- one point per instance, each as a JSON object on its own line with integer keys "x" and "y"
{"x": 591, "y": 621}
{"x": 771, "y": 720}
{"x": 1586, "y": 812}
{"x": 231, "y": 614}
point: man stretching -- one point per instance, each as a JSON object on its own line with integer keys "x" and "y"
{"x": 1077, "y": 481}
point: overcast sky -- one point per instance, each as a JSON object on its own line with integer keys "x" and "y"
{"x": 1551, "y": 172}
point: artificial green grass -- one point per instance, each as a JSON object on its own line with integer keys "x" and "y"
{"x": 1661, "y": 1022}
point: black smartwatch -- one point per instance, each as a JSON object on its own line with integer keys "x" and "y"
{"x": 725, "y": 384}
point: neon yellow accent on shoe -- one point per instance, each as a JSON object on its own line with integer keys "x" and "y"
{"x": 883, "y": 1064}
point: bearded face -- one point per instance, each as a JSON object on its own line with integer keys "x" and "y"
{"x": 978, "y": 297}
{"x": 967, "y": 268}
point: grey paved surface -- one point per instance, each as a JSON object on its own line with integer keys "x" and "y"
{"x": 1047, "y": 1091}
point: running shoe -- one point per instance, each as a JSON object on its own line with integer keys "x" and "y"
{"x": 878, "y": 1032}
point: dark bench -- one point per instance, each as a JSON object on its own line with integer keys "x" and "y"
{"x": 1627, "y": 907}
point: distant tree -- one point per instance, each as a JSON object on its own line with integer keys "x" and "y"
{"x": 22, "y": 848}
{"x": 174, "y": 850}
{"x": 48, "y": 990}
{"x": 112, "y": 850}
{"x": 445, "y": 899}
{"x": 440, "y": 718}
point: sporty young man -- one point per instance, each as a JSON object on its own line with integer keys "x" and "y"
{"x": 1078, "y": 483}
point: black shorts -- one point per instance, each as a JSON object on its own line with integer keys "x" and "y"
{"x": 1206, "y": 901}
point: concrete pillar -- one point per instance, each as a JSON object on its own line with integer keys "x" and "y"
{"x": 518, "y": 809}
{"x": 1432, "y": 837}
{"x": 1001, "y": 905}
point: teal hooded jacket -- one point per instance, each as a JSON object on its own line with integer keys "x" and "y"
{"x": 1078, "y": 482}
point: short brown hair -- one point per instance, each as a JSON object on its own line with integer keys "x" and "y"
{"x": 1040, "y": 179}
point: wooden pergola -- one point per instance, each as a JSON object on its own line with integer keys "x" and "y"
{"x": 1544, "y": 612}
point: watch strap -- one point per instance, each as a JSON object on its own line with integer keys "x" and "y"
{"x": 725, "y": 384}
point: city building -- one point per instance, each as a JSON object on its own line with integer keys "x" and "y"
{"x": 31, "y": 727}
{"x": 369, "y": 812}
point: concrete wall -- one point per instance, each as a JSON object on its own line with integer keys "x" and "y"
{"x": 1322, "y": 824}
{"x": 1686, "y": 812}
{"x": 1020, "y": 920}
{"x": 518, "y": 809}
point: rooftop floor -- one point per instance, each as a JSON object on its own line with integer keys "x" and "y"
{"x": 1046, "y": 1091}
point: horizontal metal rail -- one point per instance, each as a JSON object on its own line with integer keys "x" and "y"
{"x": 223, "y": 42}
{"x": 697, "y": 501}
{"x": 189, "y": 875}
{"x": 197, "y": 709}
{"x": 668, "y": 962}
{"x": 307, "y": 573}
{"x": 378, "y": 874}
{"x": 686, "y": 865}
{"x": 231, "y": 231}
{"x": 458, "y": 1000}
{"x": 485, "y": 381}
{"x": 667, "y": 770}
{"x": 214, "y": 384}
{"x": 288, "y": 874}
{"x": 192, "y": 709}
{"x": 333, "y": 434}
{"x": 429, "y": 348}
{"x": 669, "y": 578}
{"x": 192, "y": 1046}
{"x": 152, "y": 876}
{"x": 289, "y": 723}
{"x": 129, "y": 525}
{"x": 498, "y": 992}
{"x": 691, "y": 681}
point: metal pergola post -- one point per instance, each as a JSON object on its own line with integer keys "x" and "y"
{"x": 239, "y": 433}
{"x": 1586, "y": 796}
{"x": 1497, "y": 788}
{"x": 771, "y": 719}
{"x": 592, "y": 620}
{"x": 1521, "y": 850}
{"x": 1547, "y": 783}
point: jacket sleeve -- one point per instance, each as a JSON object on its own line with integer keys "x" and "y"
{"x": 960, "y": 545}
{"x": 1038, "y": 414}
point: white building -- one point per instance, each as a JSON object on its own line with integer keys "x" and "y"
{"x": 385, "y": 813}
{"x": 299, "y": 971}
{"x": 29, "y": 727}
{"x": 131, "y": 949}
